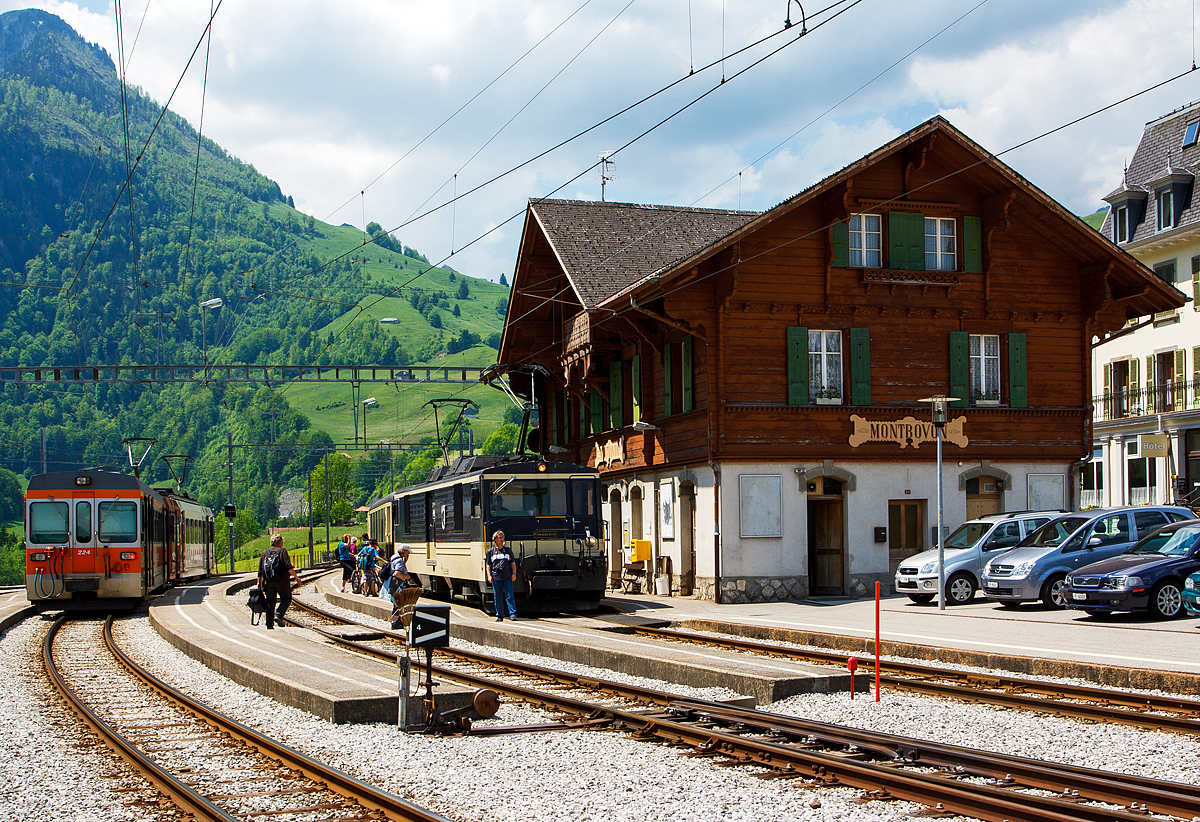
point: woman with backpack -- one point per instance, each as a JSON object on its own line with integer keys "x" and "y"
{"x": 275, "y": 578}
{"x": 366, "y": 561}
{"x": 345, "y": 559}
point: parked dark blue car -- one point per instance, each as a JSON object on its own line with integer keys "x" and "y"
{"x": 1149, "y": 576}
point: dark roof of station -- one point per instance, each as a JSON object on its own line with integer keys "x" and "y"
{"x": 606, "y": 247}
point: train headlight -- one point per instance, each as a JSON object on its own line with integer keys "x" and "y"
{"x": 38, "y": 557}
{"x": 128, "y": 555}
{"x": 541, "y": 468}
{"x": 591, "y": 541}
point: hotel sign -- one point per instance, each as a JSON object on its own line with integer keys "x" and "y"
{"x": 905, "y": 432}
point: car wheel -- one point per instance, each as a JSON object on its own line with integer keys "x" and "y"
{"x": 1054, "y": 592}
{"x": 960, "y": 589}
{"x": 921, "y": 599}
{"x": 1166, "y": 600}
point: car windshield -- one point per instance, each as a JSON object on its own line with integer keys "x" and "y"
{"x": 1171, "y": 543}
{"x": 967, "y": 534}
{"x": 1054, "y": 533}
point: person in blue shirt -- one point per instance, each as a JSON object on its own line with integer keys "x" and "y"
{"x": 367, "y": 555}
{"x": 500, "y": 567}
{"x": 345, "y": 559}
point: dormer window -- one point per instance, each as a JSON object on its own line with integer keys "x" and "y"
{"x": 1166, "y": 215}
{"x": 1120, "y": 224}
{"x": 1190, "y": 134}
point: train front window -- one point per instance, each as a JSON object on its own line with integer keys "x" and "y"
{"x": 83, "y": 522}
{"x": 528, "y": 498}
{"x": 48, "y": 522}
{"x": 118, "y": 522}
{"x": 584, "y": 493}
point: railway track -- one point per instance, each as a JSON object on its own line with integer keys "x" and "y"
{"x": 210, "y": 766}
{"x": 947, "y": 779}
{"x": 1159, "y": 713}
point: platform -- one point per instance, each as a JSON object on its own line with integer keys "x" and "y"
{"x": 1121, "y": 650}
{"x": 598, "y": 643}
{"x": 14, "y": 606}
{"x": 209, "y": 622}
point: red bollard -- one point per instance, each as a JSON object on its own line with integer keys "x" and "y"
{"x": 852, "y": 664}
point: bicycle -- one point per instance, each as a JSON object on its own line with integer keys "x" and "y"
{"x": 370, "y": 582}
{"x": 356, "y": 580}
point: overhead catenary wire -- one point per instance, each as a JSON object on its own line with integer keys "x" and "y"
{"x": 641, "y": 135}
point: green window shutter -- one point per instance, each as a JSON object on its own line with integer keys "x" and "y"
{"x": 635, "y": 386}
{"x": 584, "y": 429}
{"x": 797, "y": 365}
{"x": 597, "y": 411}
{"x": 972, "y": 245}
{"x": 1196, "y": 283}
{"x": 1150, "y": 405}
{"x": 906, "y": 240}
{"x": 688, "y": 398}
{"x": 1107, "y": 401}
{"x": 839, "y": 238}
{"x": 557, "y": 406}
{"x": 860, "y": 366}
{"x": 565, "y": 416}
{"x": 668, "y": 381}
{"x": 959, "y": 369}
{"x": 1179, "y": 391}
{"x": 616, "y": 399}
{"x": 1135, "y": 376}
{"x": 1195, "y": 375}
{"x": 1018, "y": 382}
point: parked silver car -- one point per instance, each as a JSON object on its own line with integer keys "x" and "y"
{"x": 967, "y": 549}
{"x": 1038, "y": 568}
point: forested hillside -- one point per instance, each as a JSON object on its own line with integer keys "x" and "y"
{"x": 91, "y": 275}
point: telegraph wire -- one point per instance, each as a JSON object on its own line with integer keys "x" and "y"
{"x": 129, "y": 177}
{"x": 587, "y": 130}
{"x": 196, "y": 174}
{"x": 362, "y": 309}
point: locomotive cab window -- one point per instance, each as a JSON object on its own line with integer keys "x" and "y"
{"x": 48, "y": 522}
{"x": 83, "y": 522}
{"x": 118, "y": 522}
{"x": 529, "y": 498}
{"x": 585, "y": 495}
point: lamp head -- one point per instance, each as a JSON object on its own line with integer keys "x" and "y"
{"x": 215, "y": 302}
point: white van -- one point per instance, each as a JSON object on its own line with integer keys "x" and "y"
{"x": 967, "y": 550}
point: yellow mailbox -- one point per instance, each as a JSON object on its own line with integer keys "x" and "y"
{"x": 641, "y": 550}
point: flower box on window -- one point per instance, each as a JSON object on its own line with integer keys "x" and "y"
{"x": 831, "y": 395}
{"x": 986, "y": 398}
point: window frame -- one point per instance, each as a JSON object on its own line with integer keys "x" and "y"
{"x": 861, "y": 234}
{"x": 1165, "y": 217}
{"x": 977, "y": 364}
{"x": 1121, "y": 224}
{"x": 817, "y": 390}
{"x": 940, "y": 255}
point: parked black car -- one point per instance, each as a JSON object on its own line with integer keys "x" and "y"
{"x": 1149, "y": 576}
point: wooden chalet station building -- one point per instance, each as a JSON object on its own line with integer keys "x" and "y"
{"x": 748, "y": 384}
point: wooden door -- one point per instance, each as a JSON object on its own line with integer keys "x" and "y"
{"x": 826, "y": 547}
{"x": 983, "y": 496}
{"x": 905, "y": 531}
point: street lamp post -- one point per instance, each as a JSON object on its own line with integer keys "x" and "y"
{"x": 215, "y": 304}
{"x": 939, "y": 403}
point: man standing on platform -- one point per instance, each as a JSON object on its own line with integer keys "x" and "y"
{"x": 500, "y": 567}
{"x": 275, "y": 577}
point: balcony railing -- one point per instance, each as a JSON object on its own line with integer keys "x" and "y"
{"x": 1138, "y": 402}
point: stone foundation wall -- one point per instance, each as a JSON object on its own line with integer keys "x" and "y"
{"x": 737, "y": 590}
{"x": 863, "y": 585}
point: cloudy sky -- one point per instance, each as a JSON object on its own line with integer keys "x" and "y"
{"x": 385, "y": 109}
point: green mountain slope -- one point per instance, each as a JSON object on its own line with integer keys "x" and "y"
{"x": 94, "y": 274}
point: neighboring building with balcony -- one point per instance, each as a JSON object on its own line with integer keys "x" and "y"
{"x": 1147, "y": 375}
{"x": 749, "y": 384}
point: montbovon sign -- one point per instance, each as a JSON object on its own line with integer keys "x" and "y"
{"x": 905, "y": 432}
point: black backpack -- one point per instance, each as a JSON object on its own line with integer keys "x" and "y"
{"x": 274, "y": 569}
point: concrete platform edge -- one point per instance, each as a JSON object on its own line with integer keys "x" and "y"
{"x": 1116, "y": 676}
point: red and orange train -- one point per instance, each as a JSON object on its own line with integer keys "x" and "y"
{"x": 99, "y": 539}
